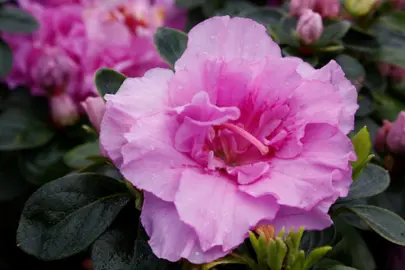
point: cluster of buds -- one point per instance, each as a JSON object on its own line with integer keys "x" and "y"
{"x": 326, "y": 8}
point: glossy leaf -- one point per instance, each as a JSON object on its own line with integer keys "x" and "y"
{"x": 366, "y": 106}
{"x": 170, "y": 43}
{"x": 67, "y": 215}
{"x": 78, "y": 157}
{"x": 372, "y": 181}
{"x": 6, "y": 59}
{"x": 108, "y": 81}
{"x": 21, "y": 129}
{"x": 315, "y": 239}
{"x": 333, "y": 32}
{"x": 386, "y": 107}
{"x": 395, "y": 20}
{"x": 315, "y": 256}
{"x": 386, "y": 223}
{"x": 16, "y": 20}
{"x": 374, "y": 80}
{"x": 361, "y": 42}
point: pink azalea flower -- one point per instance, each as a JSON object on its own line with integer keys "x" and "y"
{"x": 78, "y": 37}
{"x": 121, "y": 34}
{"x": 236, "y": 137}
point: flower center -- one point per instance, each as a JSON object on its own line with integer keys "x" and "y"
{"x": 132, "y": 20}
{"x": 264, "y": 150}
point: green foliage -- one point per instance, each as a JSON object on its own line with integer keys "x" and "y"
{"x": 362, "y": 146}
{"x": 6, "y": 59}
{"x": 16, "y": 20}
{"x": 108, "y": 81}
{"x": 170, "y": 44}
{"x": 66, "y": 216}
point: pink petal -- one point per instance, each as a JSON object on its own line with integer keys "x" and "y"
{"x": 137, "y": 97}
{"x": 219, "y": 213}
{"x": 332, "y": 73}
{"x": 228, "y": 38}
{"x": 322, "y": 168}
{"x": 170, "y": 238}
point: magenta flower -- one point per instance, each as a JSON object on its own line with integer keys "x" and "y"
{"x": 396, "y": 135}
{"x": 236, "y": 137}
{"x": 121, "y": 34}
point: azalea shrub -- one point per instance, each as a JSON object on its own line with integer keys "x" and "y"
{"x": 204, "y": 134}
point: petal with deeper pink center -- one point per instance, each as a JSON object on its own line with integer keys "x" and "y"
{"x": 228, "y": 38}
{"x": 220, "y": 214}
{"x": 170, "y": 238}
{"x": 136, "y": 97}
{"x": 318, "y": 172}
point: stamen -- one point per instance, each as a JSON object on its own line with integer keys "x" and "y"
{"x": 264, "y": 150}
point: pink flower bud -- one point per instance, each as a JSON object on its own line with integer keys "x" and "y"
{"x": 310, "y": 26}
{"x": 328, "y": 8}
{"x": 396, "y": 136}
{"x": 297, "y": 7}
{"x": 381, "y": 137}
{"x": 385, "y": 69}
{"x": 95, "y": 108}
{"x": 64, "y": 111}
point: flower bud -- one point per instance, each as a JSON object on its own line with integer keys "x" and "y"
{"x": 328, "y": 8}
{"x": 297, "y": 7}
{"x": 360, "y": 7}
{"x": 398, "y": 73}
{"x": 381, "y": 137}
{"x": 396, "y": 136}
{"x": 64, "y": 111}
{"x": 310, "y": 26}
{"x": 385, "y": 69}
{"x": 95, "y": 108}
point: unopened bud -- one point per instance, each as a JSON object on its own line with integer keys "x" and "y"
{"x": 360, "y": 7}
{"x": 266, "y": 230}
{"x": 328, "y": 8}
{"x": 64, "y": 111}
{"x": 396, "y": 136}
{"x": 381, "y": 136}
{"x": 310, "y": 26}
{"x": 95, "y": 108}
{"x": 398, "y": 73}
{"x": 297, "y": 7}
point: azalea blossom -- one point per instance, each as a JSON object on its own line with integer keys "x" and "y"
{"x": 236, "y": 137}
{"x": 76, "y": 38}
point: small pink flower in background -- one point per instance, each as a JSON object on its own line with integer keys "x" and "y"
{"x": 395, "y": 72}
{"x": 381, "y": 136}
{"x": 326, "y": 8}
{"x": 63, "y": 110}
{"x": 398, "y": 4}
{"x": 297, "y": 7}
{"x": 310, "y": 26}
{"x": 236, "y": 137}
{"x": 396, "y": 135}
{"x": 78, "y": 37}
{"x": 95, "y": 108}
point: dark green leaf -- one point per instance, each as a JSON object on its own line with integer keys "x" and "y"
{"x": 16, "y": 20}
{"x": 374, "y": 80}
{"x": 394, "y": 20}
{"x": 210, "y": 8}
{"x": 78, "y": 157}
{"x": 341, "y": 267}
{"x": 170, "y": 43}
{"x": 236, "y": 8}
{"x": 392, "y": 55}
{"x": 108, "y": 81}
{"x": 189, "y": 4}
{"x": 314, "y": 239}
{"x": 6, "y": 59}
{"x": 386, "y": 223}
{"x": 386, "y": 107}
{"x": 41, "y": 165}
{"x": 333, "y": 32}
{"x": 12, "y": 184}
{"x": 114, "y": 249}
{"x": 285, "y": 32}
{"x": 267, "y": 16}
{"x": 399, "y": 89}
{"x": 365, "y": 106}
{"x": 372, "y": 181}
{"x": 355, "y": 246}
{"x": 67, "y": 215}
{"x": 20, "y": 129}
{"x": 353, "y": 69}
{"x": 360, "y": 41}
